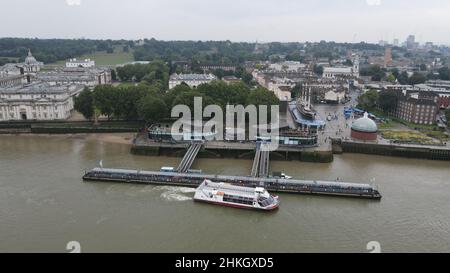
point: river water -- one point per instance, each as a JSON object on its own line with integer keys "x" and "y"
{"x": 44, "y": 204}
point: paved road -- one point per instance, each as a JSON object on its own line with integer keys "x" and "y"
{"x": 338, "y": 126}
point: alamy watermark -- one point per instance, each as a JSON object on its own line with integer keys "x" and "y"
{"x": 73, "y": 247}
{"x": 373, "y": 247}
{"x": 259, "y": 126}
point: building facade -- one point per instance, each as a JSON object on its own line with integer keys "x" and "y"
{"x": 27, "y": 93}
{"x": 90, "y": 77}
{"x": 12, "y": 80}
{"x": 336, "y": 72}
{"x": 86, "y": 63}
{"x": 14, "y": 73}
{"x": 282, "y": 88}
{"x": 193, "y": 80}
{"x": 418, "y": 108}
{"x": 288, "y": 66}
{"x": 37, "y": 101}
{"x": 343, "y": 72}
{"x": 209, "y": 68}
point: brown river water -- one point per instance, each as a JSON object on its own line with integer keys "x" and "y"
{"x": 44, "y": 204}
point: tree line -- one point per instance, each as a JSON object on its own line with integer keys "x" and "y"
{"x": 156, "y": 72}
{"x": 52, "y": 50}
{"x": 149, "y": 103}
{"x": 394, "y": 75}
{"x": 372, "y": 100}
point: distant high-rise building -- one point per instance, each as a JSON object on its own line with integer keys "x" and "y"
{"x": 411, "y": 41}
{"x": 429, "y": 45}
{"x": 396, "y": 42}
{"x": 383, "y": 43}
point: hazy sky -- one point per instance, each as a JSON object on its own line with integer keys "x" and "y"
{"x": 236, "y": 20}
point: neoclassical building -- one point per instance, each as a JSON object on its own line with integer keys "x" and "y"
{"x": 12, "y": 74}
{"x": 31, "y": 65}
{"x": 90, "y": 77}
{"x": 27, "y": 93}
{"x": 37, "y": 101}
{"x": 193, "y": 80}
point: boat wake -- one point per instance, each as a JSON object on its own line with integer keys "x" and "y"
{"x": 174, "y": 194}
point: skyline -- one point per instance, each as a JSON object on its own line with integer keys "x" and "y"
{"x": 350, "y": 21}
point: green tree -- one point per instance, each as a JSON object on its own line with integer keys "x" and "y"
{"x": 169, "y": 97}
{"x": 375, "y": 71}
{"x": 155, "y": 72}
{"x": 262, "y": 96}
{"x": 378, "y": 76}
{"x": 152, "y": 108}
{"x": 387, "y": 101}
{"x": 318, "y": 69}
{"x": 391, "y": 78}
{"x": 348, "y": 62}
{"x": 417, "y": 78}
{"x": 368, "y": 101}
{"x": 84, "y": 103}
{"x": 126, "y": 101}
{"x": 113, "y": 75}
{"x": 403, "y": 78}
{"x": 444, "y": 73}
{"x": 187, "y": 98}
{"x": 242, "y": 73}
{"x": 395, "y": 72}
{"x": 104, "y": 99}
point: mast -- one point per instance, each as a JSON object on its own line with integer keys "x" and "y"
{"x": 309, "y": 98}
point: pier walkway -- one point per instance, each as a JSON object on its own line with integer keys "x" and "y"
{"x": 272, "y": 184}
{"x": 189, "y": 157}
{"x": 260, "y": 166}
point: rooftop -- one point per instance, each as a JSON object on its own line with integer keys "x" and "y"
{"x": 192, "y": 77}
{"x": 337, "y": 70}
{"x": 365, "y": 124}
{"x": 39, "y": 88}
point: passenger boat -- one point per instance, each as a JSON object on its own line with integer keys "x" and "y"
{"x": 235, "y": 196}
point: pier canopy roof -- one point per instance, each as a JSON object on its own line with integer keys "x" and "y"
{"x": 365, "y": 124}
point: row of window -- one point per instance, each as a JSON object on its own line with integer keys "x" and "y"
{"x": 44, "y": 115}
{"x": 238, "y": 199}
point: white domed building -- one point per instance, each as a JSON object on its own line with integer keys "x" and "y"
{"x": 364, "y": 129}
{"x": 31, "y": 65}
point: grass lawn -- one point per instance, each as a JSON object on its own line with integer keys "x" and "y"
{"x": 438, "y": 135}
{"x": 416, "y": 126}
{"x": 387, "y": 125}
{"x": 103, "y": 58}
{"x": 10, "y": 59}
{"x": 409, "y": 137}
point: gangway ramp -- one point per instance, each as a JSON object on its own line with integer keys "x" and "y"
{"x": 260, "y": 166}
{"x": 189, "y": 157}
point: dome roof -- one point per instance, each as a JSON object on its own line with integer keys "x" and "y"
{"x": 365, "y": 124}
{"x": 30, "y": 59}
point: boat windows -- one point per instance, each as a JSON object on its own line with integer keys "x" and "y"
{"x": 238, "y": 199}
